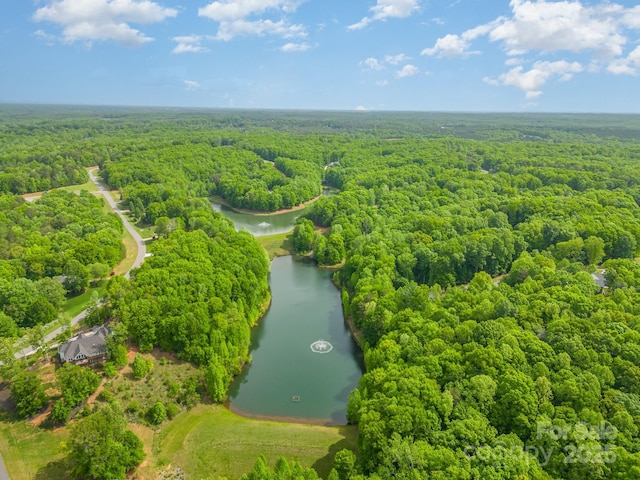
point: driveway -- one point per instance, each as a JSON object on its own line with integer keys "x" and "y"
{"x": 142, "y": 250}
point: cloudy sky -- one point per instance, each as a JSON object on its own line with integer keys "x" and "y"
{"x": 445, "y": 55}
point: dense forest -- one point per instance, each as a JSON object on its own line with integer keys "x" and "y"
{"x": 51, "y": 248}
{"x": 469, "y": 246}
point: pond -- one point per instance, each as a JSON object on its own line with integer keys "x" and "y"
{"x": 264, "y": 224}
{"x": 260, "y": 224}
{"x": 305, "y": 362}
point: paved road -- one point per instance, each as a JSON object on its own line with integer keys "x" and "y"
{"x": 142, "y": 250}
{"x": 3, "y": 471}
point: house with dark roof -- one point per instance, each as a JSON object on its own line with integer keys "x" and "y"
{"x": 86, "y": 348}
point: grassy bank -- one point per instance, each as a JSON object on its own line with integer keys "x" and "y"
{"x": 278, "y": 244}
{"x": 211, "y": 441}
{"x": 30, "y": 452}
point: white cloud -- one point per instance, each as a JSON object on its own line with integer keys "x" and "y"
{"x": 396, "y": 59}
{"x": 192, "y": 85}
{"x": 91, "y": 20}
{"x": 626, "y": 65}
{"x": 361, "y": 108}
{"x": 294, "y": 47}
{"x": 514, "y": 61}
{"x": 553, "y": 26}
{"x": 407, "y": 71}
{"x": 371, "y": 64}
{"x": 233, "y": 17}
{"x": 530, "y": 81}
{"x": 598, "y": 30}
{"x": 190, "y": 44}
{"x": 237, "y": 28}
{"x": 382, "y": 83}
{"x": 47, "y": 37}
{"x": 452, "y": 45}
{"x": 230, "y": 10}
{"x": 388, "y": 9}
{"x": 632, "y": 17}
{"x": 448, "y": 46}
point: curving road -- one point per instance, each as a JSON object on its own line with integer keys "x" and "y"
{"x": 142, "y": 251}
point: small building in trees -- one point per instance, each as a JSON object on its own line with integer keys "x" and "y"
{"x": 86, "y": 348}
{"x": 600, "y": 280}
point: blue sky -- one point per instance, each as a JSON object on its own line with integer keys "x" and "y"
{"x": 453, "y": 55}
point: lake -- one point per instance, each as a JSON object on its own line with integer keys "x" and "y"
{"x": 287, "y": 379}
{"x": 259, "y": 224}
{"x": 264, "y": 224}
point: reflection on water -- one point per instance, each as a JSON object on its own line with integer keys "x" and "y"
{"x": 260, "y": 224}
{"x": 264, "y": 224}
{"x": 286, "y": 378}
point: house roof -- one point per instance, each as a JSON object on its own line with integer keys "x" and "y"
{"x": 89, "y": 344}
{"x": 600, "y": 279}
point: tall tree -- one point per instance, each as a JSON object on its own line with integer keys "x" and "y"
{"x": 28, "y": 393}
{"x": 101, "y": 447}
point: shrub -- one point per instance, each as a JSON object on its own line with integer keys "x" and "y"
{"x": 60, "y": 412}
{"x": 172, "y": 410}
{"x": 157, "y": 414}
{"x": 140, "y": 367}
{"x": 110, "y": 370}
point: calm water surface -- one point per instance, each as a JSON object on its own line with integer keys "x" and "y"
{"x": 260, "y": 224}
{"x": 264, "y": 224}
{"x": 286, "y": 379}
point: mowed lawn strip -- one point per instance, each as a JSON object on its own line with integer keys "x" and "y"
{"x": 211, "y": 441}
{"x": 131, "y": 252}
{"x": 27, "y": 450}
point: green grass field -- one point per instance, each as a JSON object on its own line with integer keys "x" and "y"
{"x": 211, "y": 441}
{"x": 278, "y": 244}
{"x": 88, "y": 186}
{"x": 30, "y": 452}
{"x": 208, "y": 441}
{"x": 73, "y": 306}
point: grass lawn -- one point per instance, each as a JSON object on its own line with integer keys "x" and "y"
{"x": 278, "y": 244}
{"x": 88, "y": 186}
{"x": 31, "y": 452}
{"x": 74, "y": 305}
{"x": 207, "y": 441}
{"x": 211, "y": 441}
{"x": 130, "y": 253}
{"x": 145, "y": 232}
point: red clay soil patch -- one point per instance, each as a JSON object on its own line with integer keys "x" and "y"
{"x": 41, "y": 417}
{"x": 94, "y": 395}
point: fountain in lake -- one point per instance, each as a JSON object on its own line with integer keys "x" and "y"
{"x": 264, "y": 224}
{"x": 321, "y": 346}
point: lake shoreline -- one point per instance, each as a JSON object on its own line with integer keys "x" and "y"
{"x": 278, "y": 383}
{"x": 264, "y": 213}
{"x": 283, "y": 419}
